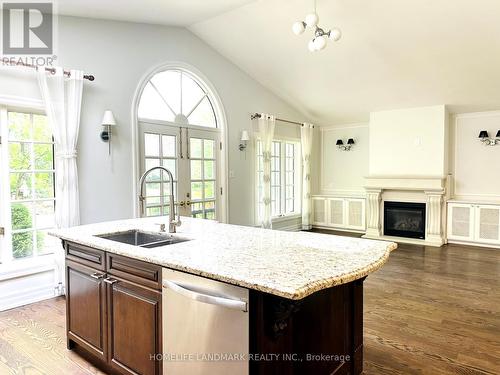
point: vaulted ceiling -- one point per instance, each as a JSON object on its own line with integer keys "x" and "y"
{"x": 161, "y": 12}
{"x": 393, "y": 53}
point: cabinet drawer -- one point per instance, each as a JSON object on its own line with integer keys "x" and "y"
{"x": 85, "y": 255}
{"x": 139, "y": 272}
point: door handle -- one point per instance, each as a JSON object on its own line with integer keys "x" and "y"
{"x": 182, "y": 203}
{"x": 188, "y": 203}
{"x": 97, "y": 275}
{"x": 234, "y": 304}
{"x": 110, "y": 281}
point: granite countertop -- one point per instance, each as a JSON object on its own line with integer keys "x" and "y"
{"x": 287, "y": 264}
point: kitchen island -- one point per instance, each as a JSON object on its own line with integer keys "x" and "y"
{"x": 302, "y": 292}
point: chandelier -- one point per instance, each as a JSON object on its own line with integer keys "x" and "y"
{"x": 318, "y": 42}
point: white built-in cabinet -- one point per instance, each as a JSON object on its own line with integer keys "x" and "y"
{"x": 476, "y": 223}
{"x": 339, "y": 213}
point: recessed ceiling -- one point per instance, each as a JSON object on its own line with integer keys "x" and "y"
{"x": 162, "y": 12}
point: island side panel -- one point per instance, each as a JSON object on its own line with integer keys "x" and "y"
{"x": 357, "y": 327}
{"x": 320, "y": 334}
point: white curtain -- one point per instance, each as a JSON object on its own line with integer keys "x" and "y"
{"x": 62, "y": 99}
{"x": 266, "y": 130}
{"x": 306, "y": 138}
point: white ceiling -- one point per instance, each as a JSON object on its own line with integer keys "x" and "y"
{"x": 162, "y": 12}
{"x": 393, "y": 54}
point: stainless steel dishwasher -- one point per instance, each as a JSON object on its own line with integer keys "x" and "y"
{"x": 205, "y": 326}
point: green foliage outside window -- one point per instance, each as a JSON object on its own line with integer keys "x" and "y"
{"x": 30, "y": 163}
{"x": 22, "y": 243}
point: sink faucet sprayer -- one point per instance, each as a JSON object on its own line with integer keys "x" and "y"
{"x": 172, "y": 223}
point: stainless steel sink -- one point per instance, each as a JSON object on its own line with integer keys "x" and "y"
{"x": 143, "y": 239}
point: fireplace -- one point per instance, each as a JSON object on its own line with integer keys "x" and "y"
{"x": 404, "y": 219}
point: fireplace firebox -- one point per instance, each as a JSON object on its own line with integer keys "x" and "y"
{"x": 404, "y": 219}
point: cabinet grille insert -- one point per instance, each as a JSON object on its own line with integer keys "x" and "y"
{"x": 355, "y": 213}
{"x": 337, "y": 212}
{"x": 489, "y": 223}
{"x": 460, "y": 221}
{"x": 319, "y": 210}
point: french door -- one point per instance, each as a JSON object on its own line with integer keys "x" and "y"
{"x": 27, "y": 195}
{"x": 192, "y": 154}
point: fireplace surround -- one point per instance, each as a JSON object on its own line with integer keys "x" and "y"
{"x": 404, "y": 219}
{"x": 431, "y": 190}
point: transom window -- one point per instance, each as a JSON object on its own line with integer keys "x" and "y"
{"x": 176, "y": 96}
{"x": 285, "y": 178}
{"x": 28, "y": 168}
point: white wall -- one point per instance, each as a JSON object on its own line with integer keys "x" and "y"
{"x": 409, "y": 142}
{"x": 343, "y": 172}
{"x": 119, "y": 54}
{"x": 476, "y": 167}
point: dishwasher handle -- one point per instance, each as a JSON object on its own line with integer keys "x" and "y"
{"x": 229, "y": 303}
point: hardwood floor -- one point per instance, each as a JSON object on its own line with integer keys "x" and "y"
{"x": 427, "y": 311}
{"x": 434, "y": 311}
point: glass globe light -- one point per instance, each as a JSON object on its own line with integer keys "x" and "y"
{"x": 298, "y": 27}
{"x": 312, "y": 20}
{"x": 319, "y": 43}
{"x": 311, "y": 46}
{"x": 335, "y": 34}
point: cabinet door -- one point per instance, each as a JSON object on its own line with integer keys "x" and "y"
{"x": 319, "y": 211}
{"x": 86, "y": 308}
{"x": 134, "y": 328}
{"x": 487, "y": 228}
{"x": 355, "y": 214}
{"x": 461, "y": 222}
{"x": 336, "y": 212}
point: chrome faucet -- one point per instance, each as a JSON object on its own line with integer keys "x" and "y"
{"x": 172, "y": 223}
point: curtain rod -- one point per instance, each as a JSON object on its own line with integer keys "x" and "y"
{"x": 50, "y": 70}
{"x": 258, "y": 115}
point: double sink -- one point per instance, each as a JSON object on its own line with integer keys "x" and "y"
{"x": 141, "y": 238}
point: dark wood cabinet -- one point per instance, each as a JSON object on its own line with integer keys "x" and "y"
{"x": 114, "y": 310}
{"x": 86, "y": 308}
{"x": 133, "y": 317}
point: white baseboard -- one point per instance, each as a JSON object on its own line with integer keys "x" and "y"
{"x": 411, "y": 241}
{"x": 28, "y": 288}
{"x": 290, "y": 228}
{"x": 339, "y": 229}
{"x": 474, "y": 244}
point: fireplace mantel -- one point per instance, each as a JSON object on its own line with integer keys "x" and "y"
{"x": 406, "y": 182}
{"x": 431, "y": 188}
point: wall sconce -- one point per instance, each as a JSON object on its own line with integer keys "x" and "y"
{"x": 244, "y": 140}
{"x": 487, "y": 141}
{"x": 341, "y": 146}
{"x": 108, "y": 120}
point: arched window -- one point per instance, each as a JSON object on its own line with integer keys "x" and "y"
{"x": 177, "y": 96}
{"x": 180, "y": 125}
